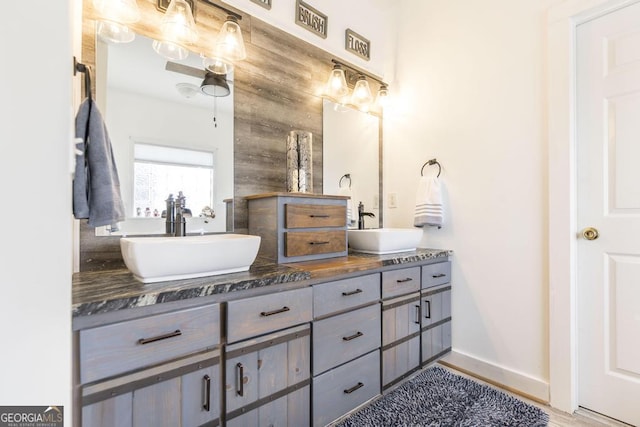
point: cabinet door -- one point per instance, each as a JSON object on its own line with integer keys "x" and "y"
{"x": 201, "y": 396}
{"x": 399, "y": 360}
{"x": 431, "y": 308}
{"x": 113, "y": 412}
{"x": 400, "y": 318}
{"x": 259, "y": 369}
{"x": 157, "y": 404}
{"x": 291, "y": 410}
{"x": 161, "y": 398}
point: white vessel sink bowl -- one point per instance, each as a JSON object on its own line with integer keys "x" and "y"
{"x": 385, "y": 240}
{"x": 156, "y": 259}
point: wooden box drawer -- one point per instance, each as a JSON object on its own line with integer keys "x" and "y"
{"x": 400, "y": 282}
{"x": 436, "y": 274}
{"x": 315, "y": 216}
{"x": 344, "y": 294}
{"x": 338, "y": 339}
{"x": 300, "y": 243}
{"x": 121, "y": 347}
{"x": 343, "y": 389}
{"x": 255, "y": 316}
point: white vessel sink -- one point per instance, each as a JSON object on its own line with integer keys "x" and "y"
{"x": 385, "y": 240}
{"x": 156, "y": 259}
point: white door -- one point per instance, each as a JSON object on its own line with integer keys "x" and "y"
{"x": 608, "y": 164}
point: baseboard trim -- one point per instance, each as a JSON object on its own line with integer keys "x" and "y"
{"x": 500, "y": 376}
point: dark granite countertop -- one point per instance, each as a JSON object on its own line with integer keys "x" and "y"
{"x": 108, "y": 291}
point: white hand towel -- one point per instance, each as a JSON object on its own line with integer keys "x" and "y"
{"x": 429, "y": 210}
{"x": 351, "y": 213}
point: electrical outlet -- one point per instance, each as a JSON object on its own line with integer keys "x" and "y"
{"x": 392, "y": 199}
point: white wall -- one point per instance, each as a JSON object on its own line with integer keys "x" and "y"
{"x": 369, "y": 18}
{"x": 469, "y": 92}
{"x": 35, "y": 295}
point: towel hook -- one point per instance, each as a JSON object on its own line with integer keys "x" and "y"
{"x": 79, "y": 67}
{"x": 431, "y": 162}
{"x": 346, "y": 175}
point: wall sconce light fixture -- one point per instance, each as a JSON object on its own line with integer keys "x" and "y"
{"x": 361, "y": 97}
{"x": 228, "y": 46}
{"x": 115, "y": 15}
{"x": 178, "y": 30}
{"x": 337, "y": 87}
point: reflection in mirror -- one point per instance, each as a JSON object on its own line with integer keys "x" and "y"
{"x": 351, "y": 145}
{"x": 167, "y": 136}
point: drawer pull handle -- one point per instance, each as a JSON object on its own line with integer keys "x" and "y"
{"x": 320, "y": 243}
{"x": 417, "y": 321}
{"x": 428, "y": 315}
{"x": 175, "y": 333}
{"x": 240, "y": 379}
{"x": 206, "y": 404}
{"x": 357, "y": 291}
{"x": 271, "y": 313}
{"x": 437, "y": 276}
{"x": 408, "y": 279}
{"x": 353, "y": 337}
{"x": 320, "y": 216}
{"x": 354, "y": 388}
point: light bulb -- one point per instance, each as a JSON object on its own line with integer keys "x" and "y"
{"x": 337, "y": 84}
{"x": 361, "y": 97}
{"x": 178, "y": 29}
{"x": 229, "y": 44}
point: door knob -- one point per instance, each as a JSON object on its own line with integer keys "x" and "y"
{"x": 590, "y": 233}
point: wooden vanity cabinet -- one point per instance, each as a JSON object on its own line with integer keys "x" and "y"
{"x": 161, "y": 370}
{"x": 346, "y": 346}
{"x": 298, "y": 226}
{"x": 268, "y": 367}
{"x": 435, "y": 300}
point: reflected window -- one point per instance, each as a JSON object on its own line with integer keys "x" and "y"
{"x": 159, "y": 171}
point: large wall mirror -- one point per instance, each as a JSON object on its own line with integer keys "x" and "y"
{"x": 351, "y": 158}
{"x": 167, "y": 136}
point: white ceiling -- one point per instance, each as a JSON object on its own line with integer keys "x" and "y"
{"x": 136, "y": 67}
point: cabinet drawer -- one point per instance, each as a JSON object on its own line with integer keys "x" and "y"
{"x": 341, "y": 390}
{"x": 400, "y": 282}
{"x": 299, "y": 243}
{"x": 436, "y": 274}
{"x": 121, "y": 347}
{"x": 258, "y": 315}
{"x": 338, "y": 339}
{"x": 313, "y": 216}
{"x": 345, "y": 294}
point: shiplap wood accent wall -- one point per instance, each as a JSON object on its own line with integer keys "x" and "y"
{"x": 276, "y": 90}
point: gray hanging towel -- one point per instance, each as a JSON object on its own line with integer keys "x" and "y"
{"x": 96, "y": 187}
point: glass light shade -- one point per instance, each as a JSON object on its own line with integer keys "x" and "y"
{"x": 229, "y": 44}
{"x": 178, "y": 29}
{"x": 170, "y": 50}
{"x": 361, "y": 97}
{"x": 114, "y": 15}
{"x": 383, "y": 96}
{"x": 337, "y": 83}
{"x": 217, "y": 65}
{"x": 112, "y": 32}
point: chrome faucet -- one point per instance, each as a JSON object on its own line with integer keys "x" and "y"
{"x": 361, "y": 215}
{"x": 176, "y": 225}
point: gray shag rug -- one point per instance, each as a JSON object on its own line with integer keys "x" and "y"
{"x": 439, "y": 398}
